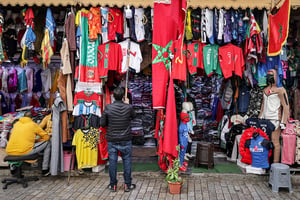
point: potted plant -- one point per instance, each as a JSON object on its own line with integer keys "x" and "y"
{"x": 173, "y": 179}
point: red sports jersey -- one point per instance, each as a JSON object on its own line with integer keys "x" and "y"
{"x": 231, "y": 60}
{"x": 109, "y": 58}
{"x": 195, "y": 56}
{"x": 179, "y": 61}
{"x": 115, "y": 23}
{"x": 83, "y": 96}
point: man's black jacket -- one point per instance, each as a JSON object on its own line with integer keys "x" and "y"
{"x": 117, "y": 117}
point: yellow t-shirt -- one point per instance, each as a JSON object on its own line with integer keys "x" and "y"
{"x": 86, "y": 142}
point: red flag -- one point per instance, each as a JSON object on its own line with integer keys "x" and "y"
{"x": 170, "y": 139}
{"x": 278, "y": 29}
{"x": 168, "y": 25}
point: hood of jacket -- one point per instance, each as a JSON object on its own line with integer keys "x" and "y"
{"x": 25, "y": 120}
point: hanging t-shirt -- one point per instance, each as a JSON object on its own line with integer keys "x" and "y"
{"x": 46, "y": 79}
{"x": 179, "y": 61}
{"x": 115, "y": 23}
{"x": 22, "y": 81}
{"x": 259, "y": 149}
{"x": 195, "y": 56}
{"x": 89, "y": 120}
{"x": 83, "y": 96}
{"x": 139, "y": 26}
{"x": 104, "y": 25}
{"x": 86, "y": 142}
{"x": 210, "y": 59}
{"x": 266, "y": 125}
{"x": 109, "y": 58}
{"x": 196, "y": 23}
{"x": 37, "y": 81}
{"x": 86, "y": 108}
{"x": 231, "y": 60}
{"x": 135, "y": 58}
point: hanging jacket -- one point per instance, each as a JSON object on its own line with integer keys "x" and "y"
{"x": 244, "y": 151}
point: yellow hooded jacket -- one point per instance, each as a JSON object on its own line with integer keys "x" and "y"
{"x": 23, "y": 136}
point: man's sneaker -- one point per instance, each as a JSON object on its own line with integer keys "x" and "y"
{"x": 112, "y": 188}
{"x": 46, "y": 172}
{"x": 129, "y": 188}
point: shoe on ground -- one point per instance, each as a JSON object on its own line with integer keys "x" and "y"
{"x": 186, "y": 158}
{"x": 182, "y": 168}
{"x": 112, "y": 188}
{"x": 46, "y": 172}
{"x": 129, "y": 188}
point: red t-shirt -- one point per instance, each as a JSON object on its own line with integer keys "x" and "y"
{"x": 83, "y": 96}
{"x": 115, "y": 23}
{"x": 195, "y": 56}
{"x": 231, "y": 60}
{"x": 109, "y": 58}
{"x": 179, "y": 61}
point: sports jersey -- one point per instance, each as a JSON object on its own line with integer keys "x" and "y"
{"x": 220, "y": 26}
{"x": 86, "y": 142}
{"x": 259, "y": 148}
{"x": 94, "y": 19}
{"x": 115, "y": 23}
{"x": 210, "y": 60}
{"x": 179, "y": 61}
{"x": 135, "y": 58}
{"x": 209, "y": 17}
{"x": 203, "y": 26}
{"x": 227, "y": 27}
{"x": 109, "y": 58}
{"x": 139, "y": 26}
{"x": 83, "y": 96}
{"x": 196, "y": 23}
{"x": 86, "y": 108}
{"x": 89, "y": 120}
{"x": 148, "y": 13}
{"x": 264, "y": 124}
{"x": 104, "y": 24}
{"x": 231, "y": 60}
{"x": 188, "y": 26}
{"x": 126, "y": 25}
{"x": 195, "y": 56}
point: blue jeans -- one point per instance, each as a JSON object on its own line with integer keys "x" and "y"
{"x": 125, "y": 148}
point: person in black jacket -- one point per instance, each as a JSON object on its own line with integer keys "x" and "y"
{"x": 116, "y": 117}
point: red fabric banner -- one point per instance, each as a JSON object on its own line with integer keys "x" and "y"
{"x": 168, "y": 25}
{"x": 278, "y": 29}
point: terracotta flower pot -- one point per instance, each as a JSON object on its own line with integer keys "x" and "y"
{"x": 175, "y": 188}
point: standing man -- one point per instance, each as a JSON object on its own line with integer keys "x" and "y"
{"x": 117, "y": 117}
{"x": 27, "y": 138}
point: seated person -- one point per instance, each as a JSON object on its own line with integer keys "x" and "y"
{"x": 27, "y": 138}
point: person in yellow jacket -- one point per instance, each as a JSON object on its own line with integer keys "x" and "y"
{"x": 27, "y": 138}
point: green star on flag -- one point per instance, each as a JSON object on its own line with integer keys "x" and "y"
{"x": 160, "y": 51}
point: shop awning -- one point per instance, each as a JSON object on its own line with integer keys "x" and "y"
{"x": 145, "y": 3}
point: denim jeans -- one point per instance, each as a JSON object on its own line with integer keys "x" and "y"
{"x": 125, "y": 148}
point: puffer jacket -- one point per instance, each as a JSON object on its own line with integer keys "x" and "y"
{"x": 244, "y": 151}
{"x": 117, "y": 117}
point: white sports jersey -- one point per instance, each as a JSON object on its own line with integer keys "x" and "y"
{"x": 104, "y": 27}
{"x": 135, "y": 58}
{"x": 86, "y": 108}
{"x": 126, "y": 27}
{"x": 139, "y": 26}
{"x": 221, "y": 24}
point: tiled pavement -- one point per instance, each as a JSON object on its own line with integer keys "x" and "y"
{"x": 151, "y": 185}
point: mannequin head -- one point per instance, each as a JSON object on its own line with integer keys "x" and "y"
{"x": 184, "y": 117}
{"x": 187, "y": 106}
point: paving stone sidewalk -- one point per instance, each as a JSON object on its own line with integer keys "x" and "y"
{"x": 150, "y": 185}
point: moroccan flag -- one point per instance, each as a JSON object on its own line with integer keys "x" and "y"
{"x": 170, "y": 139}
{"x": 278, "y": 29}
{"x": 168, "y": 25}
